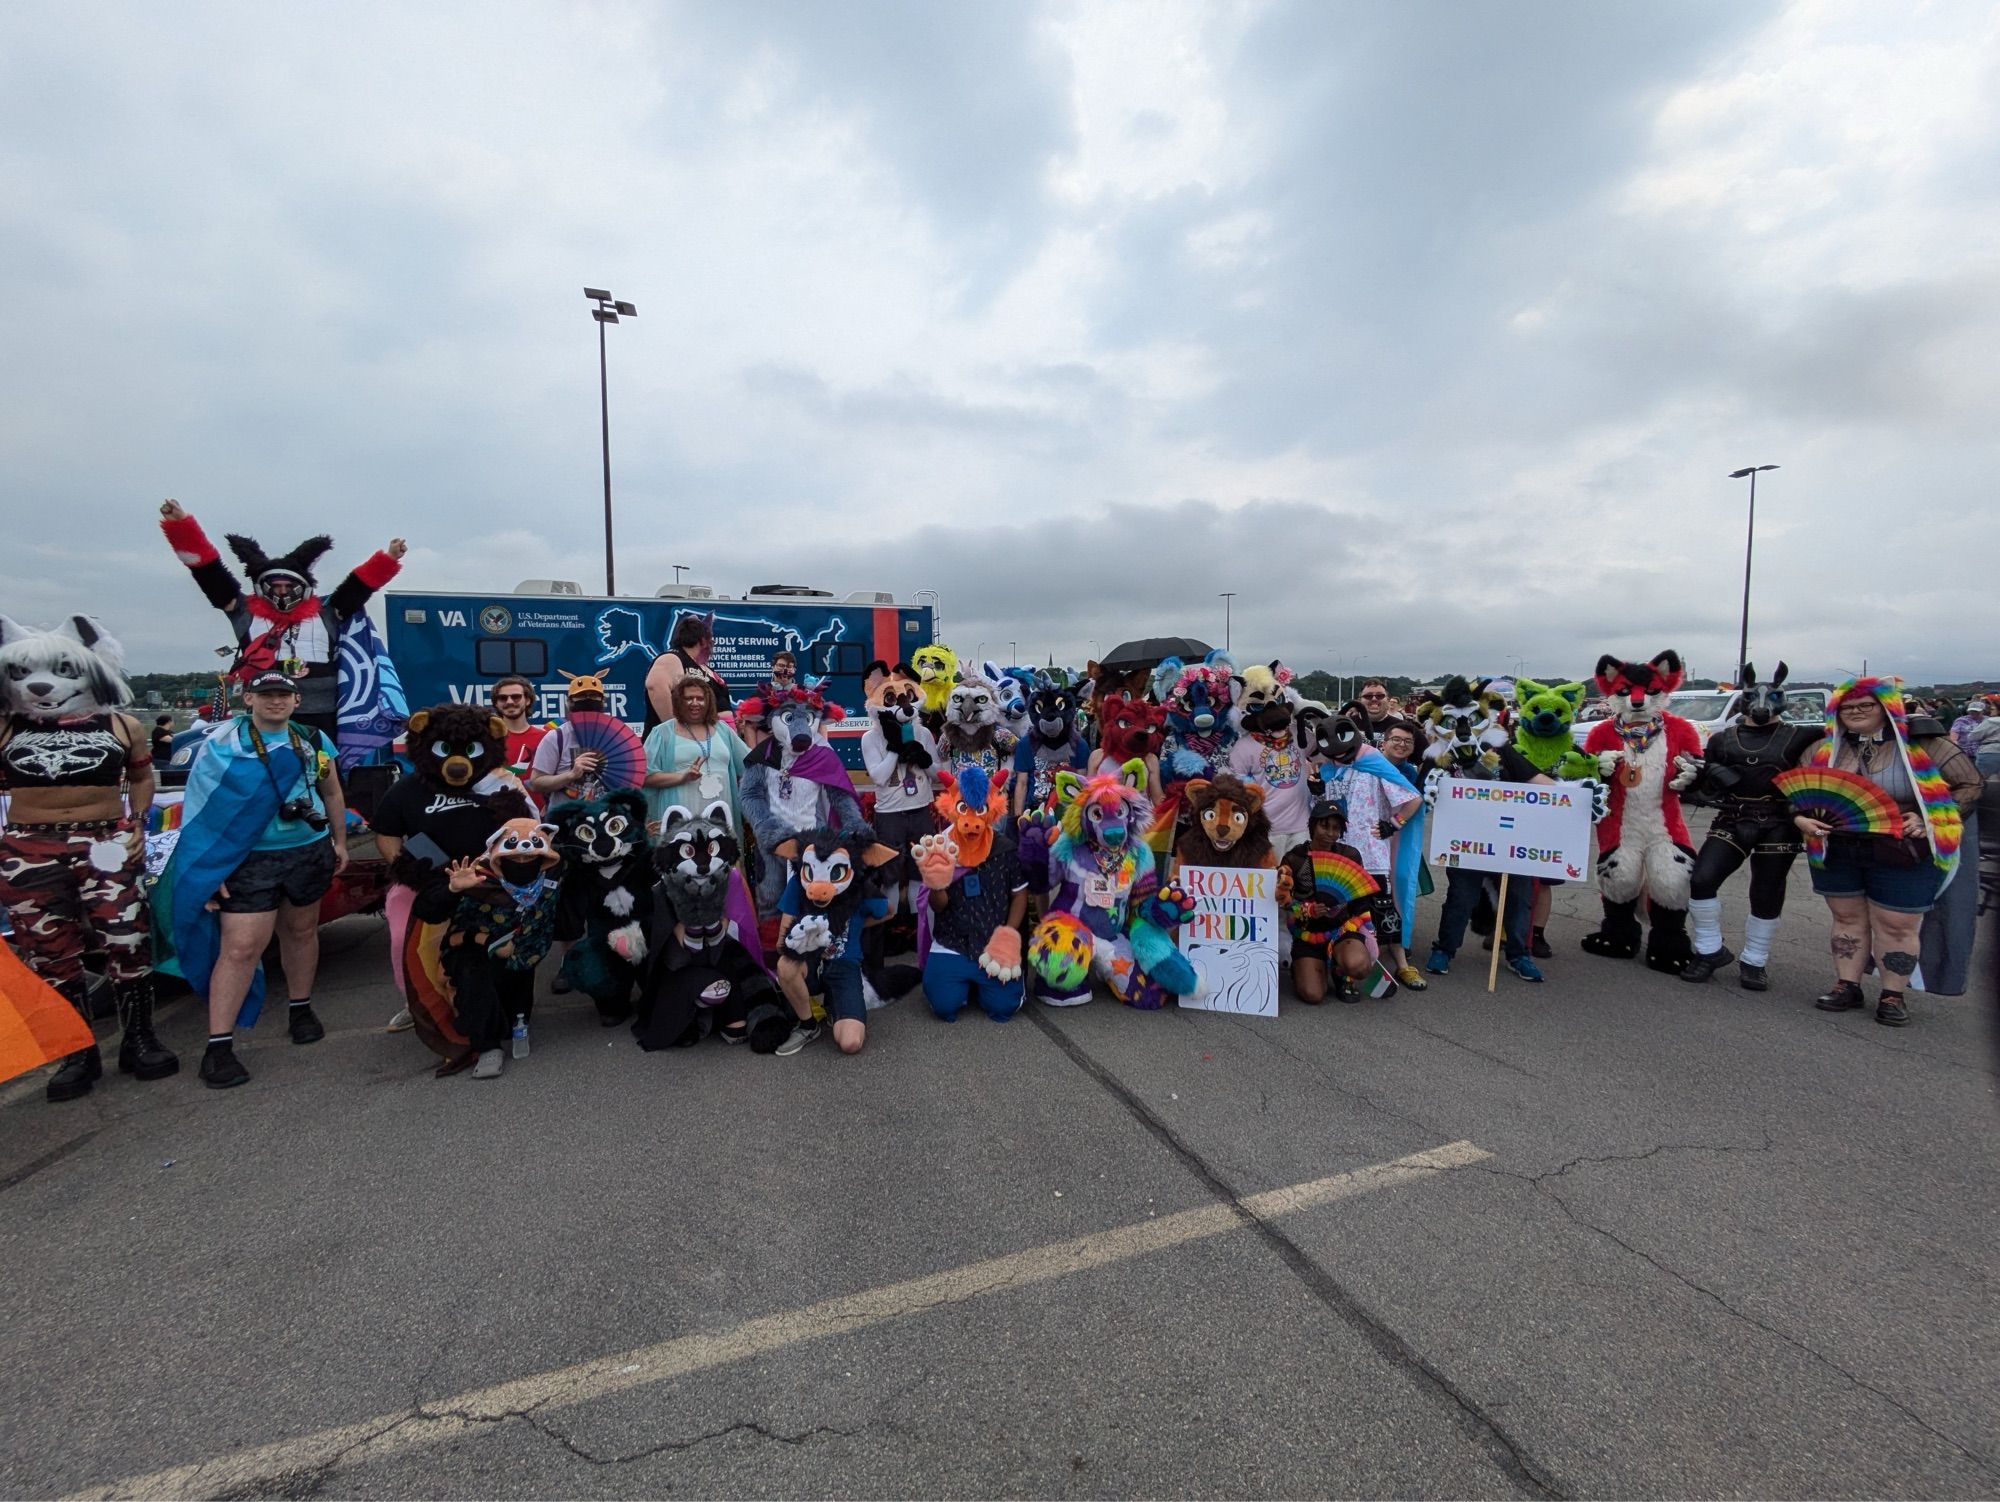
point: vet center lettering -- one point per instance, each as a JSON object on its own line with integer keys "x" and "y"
{"x": 1524, "y": 829}
{"x": 1231, "y": 939}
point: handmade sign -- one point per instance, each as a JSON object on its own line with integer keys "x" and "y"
{"x": 1231, "y": 939}
{"x": 1523, "y": 829}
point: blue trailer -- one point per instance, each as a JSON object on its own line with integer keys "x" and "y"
{"x": 451, "y": 647}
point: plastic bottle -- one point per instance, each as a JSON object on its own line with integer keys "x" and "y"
{"x": 520, "y": 1036}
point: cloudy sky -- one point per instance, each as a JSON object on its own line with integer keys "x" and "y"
{"x": 1430, "y": 330}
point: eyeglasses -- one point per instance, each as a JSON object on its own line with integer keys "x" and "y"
{"x": 1378, "y": 694}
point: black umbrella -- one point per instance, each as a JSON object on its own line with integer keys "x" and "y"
{"x": 1148, "y": 651}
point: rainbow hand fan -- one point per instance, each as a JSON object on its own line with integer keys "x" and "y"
{"x": 1844, "y": 801}
{"x": 624, "y": 753}
{"x": 1339, "y": 881}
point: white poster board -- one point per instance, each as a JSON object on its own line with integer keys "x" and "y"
{"x": 1524, "y": 829}
{"x": 1232, "y": 939}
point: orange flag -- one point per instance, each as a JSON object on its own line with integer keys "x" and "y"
{"x": 37, "y": 1026}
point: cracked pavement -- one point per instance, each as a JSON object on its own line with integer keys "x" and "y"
{"x": 1724, "y": 1245}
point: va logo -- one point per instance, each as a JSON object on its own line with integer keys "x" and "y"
{"x": 620, "y": 631}
{"x": 496, "y": 620}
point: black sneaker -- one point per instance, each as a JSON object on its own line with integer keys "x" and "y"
{"x": 1844, "y": 997}
{"x": 79, "y": 1072}
{"x": 1750, "y": 977}
{"x": 220, "y": 1068}
{"x": 1702, "y": 966}
{"x": 1891, "y": 1012}
{"x": 1538, "y": 945}
{"x": 804, "y": 1033}
{"x": 306, "y": 1028}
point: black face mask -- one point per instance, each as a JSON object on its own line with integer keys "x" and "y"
{"x": 520, "y": 873}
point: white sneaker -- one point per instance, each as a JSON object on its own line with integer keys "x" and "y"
{"x": 491, "y": 1062}
{"x": 402, "y": 1022}
{"x": 802, "y": 1034}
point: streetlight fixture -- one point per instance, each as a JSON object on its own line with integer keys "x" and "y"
{"x": 679, "y": 569}
{"x": 608, "y": 310}
{"x": 1228, "y": 600}
{"x": 1749, "y": 546}
{"x": 1013, "y": 654}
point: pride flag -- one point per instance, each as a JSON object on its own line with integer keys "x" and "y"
{"x": 37, "y": 1026}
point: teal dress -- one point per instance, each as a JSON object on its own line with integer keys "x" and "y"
{"x": 670, "y": 749}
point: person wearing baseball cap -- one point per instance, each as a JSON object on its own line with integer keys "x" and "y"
{"x": 263, "y": 834}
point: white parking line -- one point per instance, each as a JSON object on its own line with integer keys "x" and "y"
{"x": 387, "y": 1434}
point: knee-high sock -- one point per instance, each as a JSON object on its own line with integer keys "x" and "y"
{"x": 1757, "y": 936}
{"x": 1707, "y": 915}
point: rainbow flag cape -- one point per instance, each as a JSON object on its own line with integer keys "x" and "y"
{"x": 37, "y": 1025}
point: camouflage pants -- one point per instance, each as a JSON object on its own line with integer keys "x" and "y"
{"x": 63, "y": 904}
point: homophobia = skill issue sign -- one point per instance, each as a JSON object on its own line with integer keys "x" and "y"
{"x": 1231, "y": 938}
{"x": 1519, "y": 828}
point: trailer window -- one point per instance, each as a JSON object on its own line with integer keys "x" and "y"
{"x": 498, "y": 656}
{"x": 836, "y": 659}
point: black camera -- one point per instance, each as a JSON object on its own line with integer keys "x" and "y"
{"x": 304, "y": 811}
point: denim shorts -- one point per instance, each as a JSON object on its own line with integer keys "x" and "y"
{"x": 1851, "y": 870}
{"x": 838, "y": 983}
{"x": 299, "y": 876}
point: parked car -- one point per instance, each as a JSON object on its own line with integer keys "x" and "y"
{"x": 1713, "y": 709}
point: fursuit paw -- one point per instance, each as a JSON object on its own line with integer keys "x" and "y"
{"x": 936, "y": 856}
{"x": 1175, "y": 974}
{"x": 1060, "y": 951}
{"x": 1687, "y": 769}
{"x": 1171, "y": 906}
{"x": 1284, "y": 885}
{"x": 1607, "y": 763}
{"x": 629, "y": 943}
{"x": 1002, "y": 959}
{"x": 1434, "y": 782}
{"x": 808, "y": 935}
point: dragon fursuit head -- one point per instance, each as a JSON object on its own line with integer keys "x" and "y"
{"x": 1464, "y": 724}
{"x": 1227, "y": 824}
{"x": 1107, "y": 914}
{"x": 936, "y": 667}
{"x": 1053, "y": 707}
{"x": 972, "y": 807}
{"x": 1544, "y": 717}
{"x": 71, "y": 672}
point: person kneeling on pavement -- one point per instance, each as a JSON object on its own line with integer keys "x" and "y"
{"x": 1333, "y": 942}
{"x": 970, "y": 930}
{"x": 263, "y": 834}
{"x": 824, "y": 907}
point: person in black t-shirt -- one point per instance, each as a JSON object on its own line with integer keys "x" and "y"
{"x": 978, "y": 897}
{"x": 459, "y": 794}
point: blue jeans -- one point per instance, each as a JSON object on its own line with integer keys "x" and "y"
{"x": 1461, "y": 896}
{"x": 951, "y": 980}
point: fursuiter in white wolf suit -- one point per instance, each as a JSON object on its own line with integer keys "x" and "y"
{"x": 71, "y": 856}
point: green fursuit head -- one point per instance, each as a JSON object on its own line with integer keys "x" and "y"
{"x": 1543, "y": 716}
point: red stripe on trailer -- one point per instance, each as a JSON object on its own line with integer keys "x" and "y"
{"x": 887, "y": 624}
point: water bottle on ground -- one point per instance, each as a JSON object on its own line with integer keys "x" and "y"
{"x": 520, "y": 1036}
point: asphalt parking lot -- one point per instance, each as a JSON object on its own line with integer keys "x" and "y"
{"x": 1611, "y": 1236}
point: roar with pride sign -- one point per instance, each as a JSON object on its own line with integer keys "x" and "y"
{"x": 1525, "y": 829}
{"x": 1231, "y": 939}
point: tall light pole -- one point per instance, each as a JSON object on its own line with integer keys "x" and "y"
{"x": 681, "y": 568}
{"x": 1013, "y": 654}
{"x": 1228, "y": 601}
{"x": 607, "y": 311}
{"x": 1749, "y": 546}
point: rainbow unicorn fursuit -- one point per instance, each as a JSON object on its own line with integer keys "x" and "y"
{"x": 1107, "y": 914}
